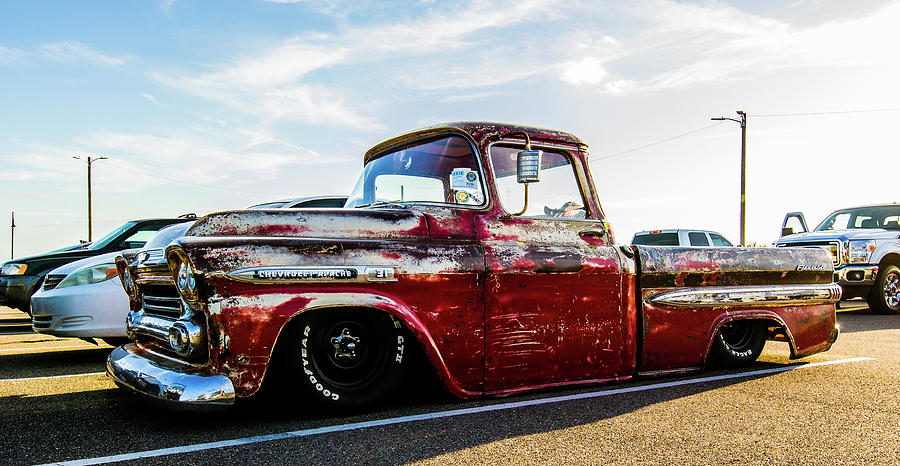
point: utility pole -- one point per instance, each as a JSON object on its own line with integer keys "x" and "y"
{"x": 12, "y": 236}
{"x": 743, "y": 122}
{"x": 89, "y": 161}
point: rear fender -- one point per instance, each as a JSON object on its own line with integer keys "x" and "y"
{"x": 762, "y": 315}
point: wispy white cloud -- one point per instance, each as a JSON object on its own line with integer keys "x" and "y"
{"x": 166, "y": 5}
{"x": 234, "y": 158}
{"x": 683, "y": 45}
{"x": 275, "y": 83}
{"x": 9, "y": 55}
{"x": 150, "y": 98}
{"x": 77, "y": 52}
{"x": 439, "y": 31}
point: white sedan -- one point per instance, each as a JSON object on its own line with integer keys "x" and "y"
{"x": 82, "y": 299}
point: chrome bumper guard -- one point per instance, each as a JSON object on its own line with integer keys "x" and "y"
{"x": 174, "y": 384}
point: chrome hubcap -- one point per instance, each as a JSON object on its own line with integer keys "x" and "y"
{"x": 345, "y": 345}
{"x": 892, "y": 290}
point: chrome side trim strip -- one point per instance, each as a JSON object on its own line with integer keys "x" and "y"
{"x": 750, "y": 296}
{"x": 315, "y": 274}
{"x": 175, "y": 384}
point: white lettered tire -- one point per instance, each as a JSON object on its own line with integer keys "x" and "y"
{"x": 738, "y": 343}
{"x": 347, "y": 358}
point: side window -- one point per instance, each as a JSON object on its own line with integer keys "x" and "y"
{"x": 400, "y": 188}
{"x": 719, "y": 240}
{"x": 698, "y": 238}
{"x": 556, "y": 195}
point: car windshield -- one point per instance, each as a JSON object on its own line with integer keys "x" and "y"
{"x": 102, "y": 242}
{"x": 887, "y": 217}
{"x": 441, "y": 170}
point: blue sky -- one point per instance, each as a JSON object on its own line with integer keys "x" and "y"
{"x": 204, "y": 106}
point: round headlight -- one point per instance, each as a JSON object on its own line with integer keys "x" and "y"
{"x": 181, "y": 280}
{"x": 185, "y": 281}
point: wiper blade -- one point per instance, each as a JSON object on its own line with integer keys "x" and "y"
{"x": 399, "y": 204}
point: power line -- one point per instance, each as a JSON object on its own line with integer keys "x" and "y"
{"x": 174, "y": 180}
{"x": 658, "y": 142}
{"x": 839, "y": 112}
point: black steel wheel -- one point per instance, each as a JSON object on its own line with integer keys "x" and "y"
{"x": 738, "y": 343}
{"x": 347, "y": 358}
{"x": 885, "y": 295}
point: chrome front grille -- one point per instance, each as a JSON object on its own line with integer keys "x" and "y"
{"x": 161, "y": 300}
{"x": 53, "y": 279}
{"x": 833, "y": 248}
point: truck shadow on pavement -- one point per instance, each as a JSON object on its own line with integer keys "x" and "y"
{"x": 864, "y": 320}
{"x": 101, "y": 422}
{"x": 53, "y": 363}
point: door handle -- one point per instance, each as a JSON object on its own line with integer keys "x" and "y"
{"x": 597, "y": 231}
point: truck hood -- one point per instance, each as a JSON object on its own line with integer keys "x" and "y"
{"x": 315, "y": 223}
{"x": 840, "y": 235}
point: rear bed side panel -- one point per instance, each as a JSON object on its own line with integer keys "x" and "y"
{"x": 678, "y": 334}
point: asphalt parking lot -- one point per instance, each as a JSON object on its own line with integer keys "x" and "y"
{"x": 842, "y": 406}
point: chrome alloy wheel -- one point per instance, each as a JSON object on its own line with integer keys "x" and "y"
{"x": 891, "y": 289}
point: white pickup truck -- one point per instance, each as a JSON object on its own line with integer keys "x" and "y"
{"x": 864, "y": 243}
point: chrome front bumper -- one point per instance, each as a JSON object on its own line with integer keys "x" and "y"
{"x": 170, "y": 382}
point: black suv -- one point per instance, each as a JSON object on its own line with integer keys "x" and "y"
{"x": 20, "y": 278}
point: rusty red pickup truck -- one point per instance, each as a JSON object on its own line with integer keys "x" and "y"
{"x": 481, "y": 247}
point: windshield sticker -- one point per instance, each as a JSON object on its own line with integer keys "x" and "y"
{"x": 464, "y": 178}
{"x": 469, "y": 198}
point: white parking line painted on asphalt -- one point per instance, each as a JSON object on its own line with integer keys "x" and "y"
{"x": 437, "y": 415}
{"x": 47, "y": 377}
{"x": 46, "y": 349}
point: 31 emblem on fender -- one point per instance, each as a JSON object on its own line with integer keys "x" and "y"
{"x": 349, "y": 274}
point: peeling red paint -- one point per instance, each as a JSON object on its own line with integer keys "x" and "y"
{"x": 499, "y": 304}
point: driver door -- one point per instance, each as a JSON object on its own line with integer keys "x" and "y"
{"x": 553, "y": 299}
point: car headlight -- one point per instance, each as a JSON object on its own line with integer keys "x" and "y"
{"x": 13, "y": 269}
{"x": 183, "y": 274}
{"x": 89, "y": 275}
{"x": 860, "y": 251}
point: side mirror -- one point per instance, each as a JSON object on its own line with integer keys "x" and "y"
{"x": 795, "y": 218}
{"x": 528, "y": 170}
{"x": 528, "y": 166}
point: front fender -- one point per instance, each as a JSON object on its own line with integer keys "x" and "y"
{"x": 249, "y": 326}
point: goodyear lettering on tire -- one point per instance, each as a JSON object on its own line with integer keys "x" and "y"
{"x": 304, "y": 358}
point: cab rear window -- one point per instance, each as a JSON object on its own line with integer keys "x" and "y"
{"x": 656, "y": 239}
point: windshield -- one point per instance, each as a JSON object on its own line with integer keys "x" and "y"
{"x": 102, "y": 242}
{"x": 437, "y": 171}
{"x": 887, "y": 217}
